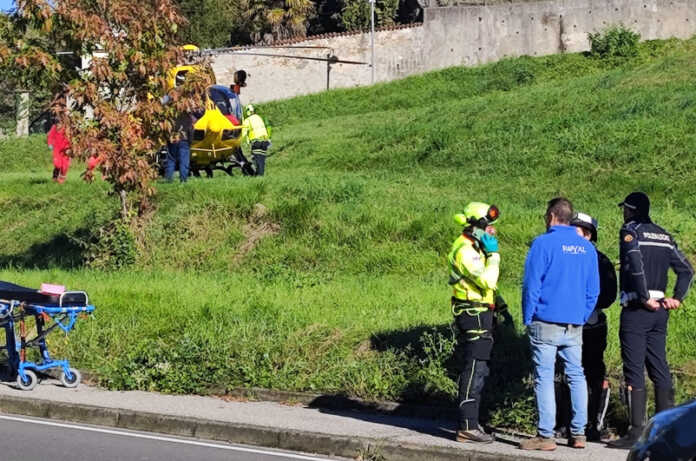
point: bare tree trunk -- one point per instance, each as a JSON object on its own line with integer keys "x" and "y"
{"x": 124, "y": 204}
{"x": 22, "y": 114}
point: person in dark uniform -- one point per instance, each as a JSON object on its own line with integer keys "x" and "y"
{"x": 647, "y": 252}
{"x": 594, "y": 333}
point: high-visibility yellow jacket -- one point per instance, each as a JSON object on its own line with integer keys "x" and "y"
{"x": 473, "y": 275}
{"x": 254, "y": 129}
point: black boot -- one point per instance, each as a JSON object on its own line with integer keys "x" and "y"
{"x": 664, "y": 399}
{"x": 594, "y": 404}
{"x": 636, "y": 407}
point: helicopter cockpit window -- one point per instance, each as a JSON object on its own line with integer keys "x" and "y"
{"x": 220, "y": 99}
{"x": 180, "y": 77}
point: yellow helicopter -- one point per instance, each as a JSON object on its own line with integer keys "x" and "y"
{"x": 217, "y": 133}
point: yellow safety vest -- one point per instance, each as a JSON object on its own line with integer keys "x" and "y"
{"x": 254, "y": 129}
{"x": 473, "y": 275}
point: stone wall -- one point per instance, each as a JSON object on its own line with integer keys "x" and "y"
{"x": 452, "y": 36}
{"x": 471, "y": 35}
{"x": 398, "y": 53}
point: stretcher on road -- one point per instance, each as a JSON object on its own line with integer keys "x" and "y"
{"x": 53, "y": 311}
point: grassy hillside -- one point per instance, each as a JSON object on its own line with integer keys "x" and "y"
{"x": 338, "y": 283}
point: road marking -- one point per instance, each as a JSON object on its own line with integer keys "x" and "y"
{"x": 161, "y": 439}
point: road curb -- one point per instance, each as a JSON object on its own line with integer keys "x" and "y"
{"x": 342, "y": 402}
{"x": 270, "y": 437}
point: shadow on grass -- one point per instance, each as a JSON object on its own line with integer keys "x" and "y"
{"x": 427, "y": 404}
{"x": 62, "y": 252}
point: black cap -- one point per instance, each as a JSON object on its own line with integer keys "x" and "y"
{"x": 587, "y": 222}
{"x": 638, "y": 202}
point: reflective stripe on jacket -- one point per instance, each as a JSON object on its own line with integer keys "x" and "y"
{"x": 254, "y": 128}
{"x": 473, "y": 275}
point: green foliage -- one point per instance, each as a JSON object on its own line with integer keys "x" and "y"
{"x": 108, "y": 246}
{"x": 356, "y": 14}
{"x": 341, "y": 286}
{"x": 27, "y": 64}
{"x": 270, "y": 20}
{"x": 210, "y": 22}
{"x": 614, "y": 42}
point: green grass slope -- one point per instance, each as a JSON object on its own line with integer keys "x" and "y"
{"x": 340, "y": 285}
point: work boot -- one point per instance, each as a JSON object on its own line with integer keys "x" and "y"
{"x": 474, "y": 435}
{"x": 628, "y": 440}
{"x": 664, "y": 399}
{"x": 538, "y": 443}
{"x": 593, "y": 434}
{"x": 577, "y": 441}
{"x": 636, "y": 407}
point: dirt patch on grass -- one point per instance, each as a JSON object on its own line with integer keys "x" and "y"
{"x": 256, "y": 229}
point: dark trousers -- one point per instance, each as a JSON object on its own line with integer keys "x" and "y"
{"x": 473, "y": 351}
{"x": 594, "y": 343}
{"x": 178, "y": 153}
{"x": 259, "y": 150}
{"x": 643, "y": 334}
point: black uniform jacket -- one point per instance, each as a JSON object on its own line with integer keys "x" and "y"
{"x": 607, "y": 282}
{"x": 647, "y": 251}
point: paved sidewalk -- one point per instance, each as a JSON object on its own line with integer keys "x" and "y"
{"x": 328, "y": 432}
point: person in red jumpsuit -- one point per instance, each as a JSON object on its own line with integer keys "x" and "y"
{"x": 60, "y": 145}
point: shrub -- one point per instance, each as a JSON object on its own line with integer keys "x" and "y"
{"x": 508, "y": 74}
{"x": 108, "y": 246}
{"x": 616, "y": 41}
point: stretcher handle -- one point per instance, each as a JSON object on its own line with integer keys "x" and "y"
{"x": 60, "y": 301}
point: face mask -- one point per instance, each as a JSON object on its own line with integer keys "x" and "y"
{"x": 478, "y": 233}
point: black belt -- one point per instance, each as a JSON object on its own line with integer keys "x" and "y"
{"x": 564, "y": 325}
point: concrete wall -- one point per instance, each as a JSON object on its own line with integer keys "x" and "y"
{"x": 471, "y": 35}
{"x": 398, "y": 53}
{"x": 454, "y": 36}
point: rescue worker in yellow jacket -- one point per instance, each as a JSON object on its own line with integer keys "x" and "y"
{"x": 474, "y": 269}
{"x": 258, "y": 135}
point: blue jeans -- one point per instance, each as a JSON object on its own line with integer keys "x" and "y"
{"x": 178, "y": 152}
{"x": 547, "y": 339}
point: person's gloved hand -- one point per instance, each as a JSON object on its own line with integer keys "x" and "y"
{"x": 489, "y": 243}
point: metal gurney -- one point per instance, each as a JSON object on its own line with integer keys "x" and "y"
{"x": 50, "y": 312}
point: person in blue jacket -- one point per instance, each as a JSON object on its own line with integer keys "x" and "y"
{"x": 559, "y": 293}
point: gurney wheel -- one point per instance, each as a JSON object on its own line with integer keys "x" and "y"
{"x": 74, "y": 379}
{"x": 29, "y": 383}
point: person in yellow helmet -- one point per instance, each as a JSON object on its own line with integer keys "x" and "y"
{"x": 258, "y": 135}
{"x": 474, "y": 269}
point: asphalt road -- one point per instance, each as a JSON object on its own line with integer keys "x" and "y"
{"x": 33, "y": 439}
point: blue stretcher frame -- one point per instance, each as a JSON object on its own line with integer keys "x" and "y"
{"x": 60, "y": 316}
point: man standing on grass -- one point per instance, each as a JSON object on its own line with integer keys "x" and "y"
{"x": 560, "y": 290}
{"x": 179, "y": 150}
{"x": 647, "y": 253}
{"x": 474, "y": 269}
{"x": 594, "y": 340}
{"x": 258, "y": 135}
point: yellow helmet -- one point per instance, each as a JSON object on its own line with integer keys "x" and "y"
{"x": 478, "y": 214}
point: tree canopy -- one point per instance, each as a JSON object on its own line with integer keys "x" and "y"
{"x": 217, "y": 23}
{"x": 113, "y": 108}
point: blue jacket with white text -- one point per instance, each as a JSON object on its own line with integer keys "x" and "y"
{"x": 561, "y": 278}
